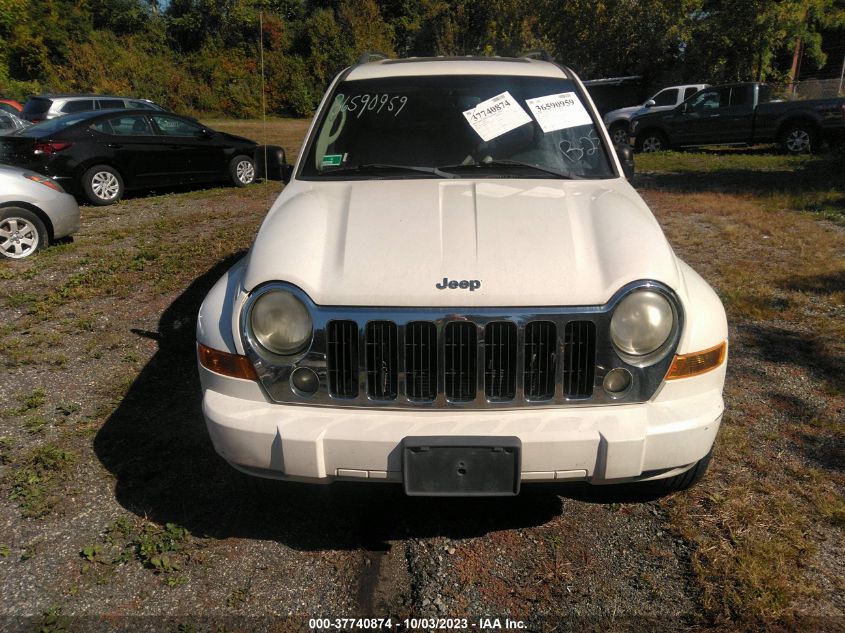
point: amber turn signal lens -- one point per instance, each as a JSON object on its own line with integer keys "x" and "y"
{"x": 689, "y": 365}
{"x": 232, "y": 365}
{"x": 43, "y": 180}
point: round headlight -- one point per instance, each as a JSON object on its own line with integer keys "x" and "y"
{"x": 280, "y": 322}
{"x": 641, "y": 323}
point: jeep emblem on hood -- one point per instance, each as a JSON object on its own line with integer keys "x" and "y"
{"x": 471, "y": 284}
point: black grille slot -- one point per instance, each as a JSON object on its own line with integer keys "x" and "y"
{"x": 380, "y": 346}
{"x": 579, "y": 359}
{"x": 540, "y": 349}
{"x": 421, "y": 360}
{"x": 460, "y": 355}
{"x": 342, "y": 352}
{"x": 500, "y": 360}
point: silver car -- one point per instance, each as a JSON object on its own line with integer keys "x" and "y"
{"x": 10, "y": 123}
{"x": 49, "y": 106}
{"x": 34, "y": 211}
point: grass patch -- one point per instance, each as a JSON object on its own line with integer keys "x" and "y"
{"x": 164, "y": 550}
{"x": 707, "y": 161}
{"x": 37, "y": 477}
{"x": 747, "y": 221}
{"x": 287, "y": 133}
{"x": 36, "y": 424}
{"x": 750, "y": 535}
{"x": 31, "y": 401}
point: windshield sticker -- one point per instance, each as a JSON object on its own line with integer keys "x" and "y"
{"x": 332, "y": 160}
{"x": 558, "y": 112}
{"x": 496, "y": 116}
{"x": 379, "y": 103}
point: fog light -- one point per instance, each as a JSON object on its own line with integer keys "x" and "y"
{"x": 617, "y": 381}
{"x": 305, "y": 381}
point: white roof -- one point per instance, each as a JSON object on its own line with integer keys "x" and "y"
{"x": 419, "y": 66}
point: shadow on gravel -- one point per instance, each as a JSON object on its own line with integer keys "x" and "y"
{"x": 817, "y": 284}
{"x": 788, "y": 347}
{"x": 156, "y": 446}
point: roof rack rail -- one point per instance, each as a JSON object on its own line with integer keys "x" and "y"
{"x": 368, "y": 56}
{"x": 538, "y": 54}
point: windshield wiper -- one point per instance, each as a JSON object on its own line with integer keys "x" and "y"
{"x": 507, "y": 163}
{"x": 360, "y": 169}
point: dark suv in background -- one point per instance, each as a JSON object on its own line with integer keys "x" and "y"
{"x": 50, "y": 106}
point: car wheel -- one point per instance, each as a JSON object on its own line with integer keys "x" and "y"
{"x": 102, "y": 185}
{"x": 688, "y": 478}
{"x": 653, "y": 142}
{"x": 242, "y": 171}
{"x": 798, "y": 138}
{"x": 22, "y": 233}
{"x": 619, "y": 133}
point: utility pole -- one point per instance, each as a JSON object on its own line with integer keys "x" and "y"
{"x": 793, "y": 72}
{"x": 841, "y": 75}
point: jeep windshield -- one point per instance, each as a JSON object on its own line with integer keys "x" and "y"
{"x": 456, "y": 126}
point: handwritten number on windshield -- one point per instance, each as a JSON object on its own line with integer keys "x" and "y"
{"x": 372, "y": 103}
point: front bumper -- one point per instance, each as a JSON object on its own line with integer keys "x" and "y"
{"x": 63, "y": 212}
{"x": 599, "y": 444}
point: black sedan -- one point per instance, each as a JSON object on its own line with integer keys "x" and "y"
{"x": 103, "y": 153}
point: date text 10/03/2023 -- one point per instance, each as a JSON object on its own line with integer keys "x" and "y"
{"x": 416, "y": 624}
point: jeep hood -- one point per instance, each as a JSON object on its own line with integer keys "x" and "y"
{"x": 528, "y": 242}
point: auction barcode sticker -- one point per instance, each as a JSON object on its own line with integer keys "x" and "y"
{"x": 560, "y": 111}
{"x": 496, "y": 116}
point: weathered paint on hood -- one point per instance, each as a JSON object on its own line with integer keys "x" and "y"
{"x": 529, "y": 242}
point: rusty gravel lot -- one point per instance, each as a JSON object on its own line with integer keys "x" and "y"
{"x": 116, "y": 514}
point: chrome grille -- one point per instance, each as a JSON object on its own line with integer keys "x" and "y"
{"x": 500, "y": 361}
{"x": 464, "y": 358}
{"x": 382, "y": 370}
{"x": 342, "y": 348}
{"x": 579, "y": 351}
{"x": 540, "y": 353}
{"x": 459, "y": 363}
{"x": 458, "y": 360}
{"x": 421, "y": 361}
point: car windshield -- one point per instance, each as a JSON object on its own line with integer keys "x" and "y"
{"x": 456, "y": 126}
{"x": 58, "y": 124}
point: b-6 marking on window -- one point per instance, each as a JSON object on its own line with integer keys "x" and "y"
{"x": 496, "y": 116}
{"x": 560, "y": 111}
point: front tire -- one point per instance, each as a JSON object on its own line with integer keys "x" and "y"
{"x": 799, "y": 138}
{"x": 103, "y": 185}
{"x": 242, "y": 171}
{"x": 690, "y": 477}
{"x": 22, "y": 233}
{"x": 619, "y": 133}
{"x": 653, "y": 141}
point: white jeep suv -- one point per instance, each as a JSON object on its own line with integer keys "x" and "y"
{"x": 459, "y": 290}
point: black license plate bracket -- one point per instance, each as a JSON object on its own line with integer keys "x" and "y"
{"x": 478, "y": 466}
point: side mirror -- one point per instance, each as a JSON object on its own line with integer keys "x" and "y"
{"x": 205, "y": 133}
{"x": 684, "y": 107}
{"x": 271, "y": 163}
{"x": 626, "y": 157}
{"x": 649, "y": 103}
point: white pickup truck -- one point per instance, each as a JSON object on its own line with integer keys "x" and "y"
{"x": 459, "y": 290}
{"x": 618, "y": 121}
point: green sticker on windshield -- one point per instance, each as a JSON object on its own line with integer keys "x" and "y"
{"x": 331, "y": 160}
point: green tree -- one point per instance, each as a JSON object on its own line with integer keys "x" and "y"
{"x": 735, "y": 40}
